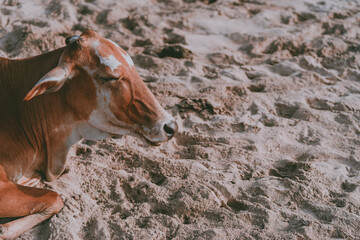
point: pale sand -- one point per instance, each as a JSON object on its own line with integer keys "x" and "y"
{"x": 267, "y": 97}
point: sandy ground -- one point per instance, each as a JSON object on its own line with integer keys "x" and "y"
{"x": 267, "y": 96}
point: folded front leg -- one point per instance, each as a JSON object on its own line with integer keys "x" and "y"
{"x": 32, "y": 205}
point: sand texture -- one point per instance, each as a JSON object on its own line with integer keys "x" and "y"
{"x": 267, "y": 96}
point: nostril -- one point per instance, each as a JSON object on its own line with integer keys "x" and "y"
{"x": 170, "y": 128}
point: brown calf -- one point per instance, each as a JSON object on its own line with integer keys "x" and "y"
{"x": 93, "y": 92}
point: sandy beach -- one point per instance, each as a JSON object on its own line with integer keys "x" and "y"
{"x": 267, "y": 97}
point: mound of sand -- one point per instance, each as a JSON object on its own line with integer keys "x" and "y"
{"x": 267, "y": 96}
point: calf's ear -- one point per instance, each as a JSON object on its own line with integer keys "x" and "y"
{"x": 51, "y": 82}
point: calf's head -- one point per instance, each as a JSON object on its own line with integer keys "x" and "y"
{"x": 102, "y": 87}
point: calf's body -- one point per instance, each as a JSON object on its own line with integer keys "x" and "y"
{"x": 28, "y": 144}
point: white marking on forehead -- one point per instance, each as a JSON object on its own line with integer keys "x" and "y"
{"x": 110, "y": 61}
{"x": 125, "y": 56}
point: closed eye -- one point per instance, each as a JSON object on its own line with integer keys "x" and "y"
{"x": 108, "y": 78}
